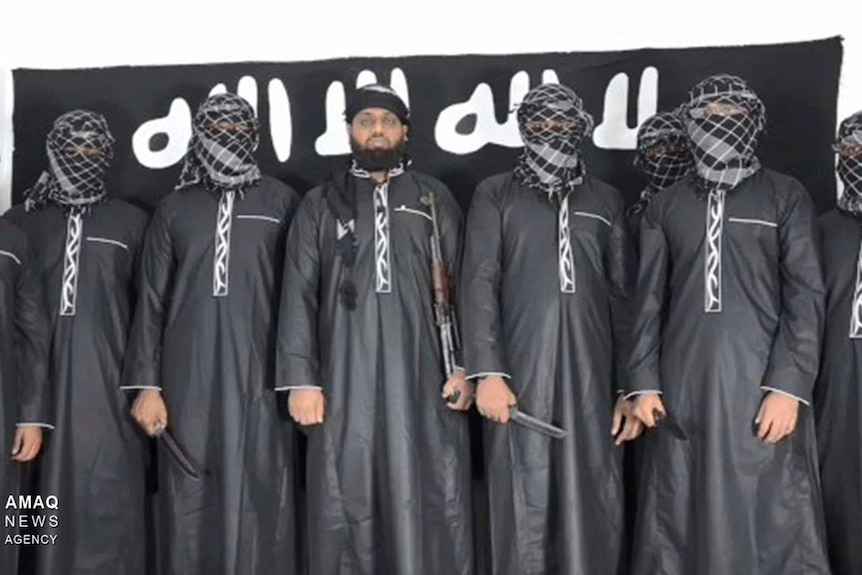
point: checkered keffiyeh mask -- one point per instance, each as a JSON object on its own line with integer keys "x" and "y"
{"x": 80, "y": 149}
{"x": 723, "y": 144}
{"x": 662, "y": 155}
{"x": 221, "y": 151}
{"x": 552, "y": 122}
{"x": 850, "y": 165}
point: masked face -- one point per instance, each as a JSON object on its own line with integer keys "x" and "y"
{"x": 849, "y": 150}
{"x": 79, "y": 153}
{"x": 723, "y": 118}
{"x": 553, "y": 115}
{"x": 722, "y": 132}
{"x": 662, "y": 150}
{"x": 224, "y": 141}
{"x": 665, "y": 162}
{"x": 552, "y": 123}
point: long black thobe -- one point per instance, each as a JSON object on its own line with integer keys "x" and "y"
{"x": 213, "y": 358}
{"x": 724, "y": 501}
{"x": 556, "y": 506}
{"x": 94, "y": 460}
{"x": 389, "y": 469}
{"x": 24, "y": 392}
{"x": 837, "y": 397}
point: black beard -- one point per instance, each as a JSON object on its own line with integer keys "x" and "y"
{"x": 376, "y": 160}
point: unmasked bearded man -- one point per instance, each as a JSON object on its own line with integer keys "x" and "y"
{"x": 388, "y": 457}
{"x": 202, "y": 355}
{"x": 85, "y": 245}
{"x": 838, "y": 394}
{"x": 544, "y": 295}
{"x": 728, "y": 322}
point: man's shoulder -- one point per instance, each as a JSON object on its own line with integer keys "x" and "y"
{"x": 125, "y": 209}
{"x": 427, "y": 180}
{"x": 11, "y": 235}
{"x": 494, "y": 181}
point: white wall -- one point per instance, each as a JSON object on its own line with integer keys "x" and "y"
{"x": 111, "y": 32}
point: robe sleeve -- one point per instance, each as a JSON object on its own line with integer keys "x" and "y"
{"x": 795, "y": 354}
{"x": 32, "y": 336}
{"x": 644, "y": 359}
{"x": 142, "y": 362}
{"x": 298, "y": 359}
{"x": 481, "y": 276}
{"x": 620, "y": 266}
{"x": 451, "y": 241}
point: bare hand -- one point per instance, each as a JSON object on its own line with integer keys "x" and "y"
{"x": 27, "y": 443}
{"x": 633, "y": 427}
{"x": 150, "y": 412}
{"x": 306, "y": 406}
{"x": 494, "y": 398}
{"x": 645, "y": 404}
{"x": 458, "y": 386}
{"x": 777, "y": 417}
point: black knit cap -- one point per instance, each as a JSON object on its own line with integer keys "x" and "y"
{"x": 376, "y": 96}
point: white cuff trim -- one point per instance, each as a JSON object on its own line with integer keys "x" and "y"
{"x": 127, "y": 387}
{"x": 10, "y": 255}
{"x": 634, "y": 393}
{"x": 799, "y": 399}
{"x": 488, "y": 374}
{"x": 34, "y": 424}
{"x": 289, "y": 387}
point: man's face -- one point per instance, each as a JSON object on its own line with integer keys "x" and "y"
{"x": 377, "y": 138}
{"x": 377, "y": 129}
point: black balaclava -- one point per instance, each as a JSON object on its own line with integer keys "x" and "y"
{"x": 551, "y": 160}
{"x": 662, "y": 155}
{"x": 80, "y": 149}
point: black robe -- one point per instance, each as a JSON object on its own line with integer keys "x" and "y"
{"x": 389, "y": 469}
{"x": 95, "y": 459}
{"x": 838, "y": 394}
{"x": 723, "y": 501}
{"x": 24, "y": 392}
{"x": 555, "y": 506}
{"x": 213, "y": 358}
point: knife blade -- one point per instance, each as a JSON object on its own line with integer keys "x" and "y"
{"x": 668, "y": 422}
{"x": 534, "y": 424}
{"x": 178, "y": 454}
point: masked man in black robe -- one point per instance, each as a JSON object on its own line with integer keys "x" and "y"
{"x": 85, "y": 245}
{"x": 544, "y": 295}
{"x": 24, "y": 392}
{"x": 728, "y": 322}
{"x": 838, "y": 393}
{"x": 202, "y": 354}
{"x": 388, "y": 456}
{"x": 663, "y": 158}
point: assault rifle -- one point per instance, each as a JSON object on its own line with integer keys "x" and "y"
{"x": 444, "y": 309}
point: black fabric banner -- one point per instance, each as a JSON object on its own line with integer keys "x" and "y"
{"x": 463, "y": 128}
